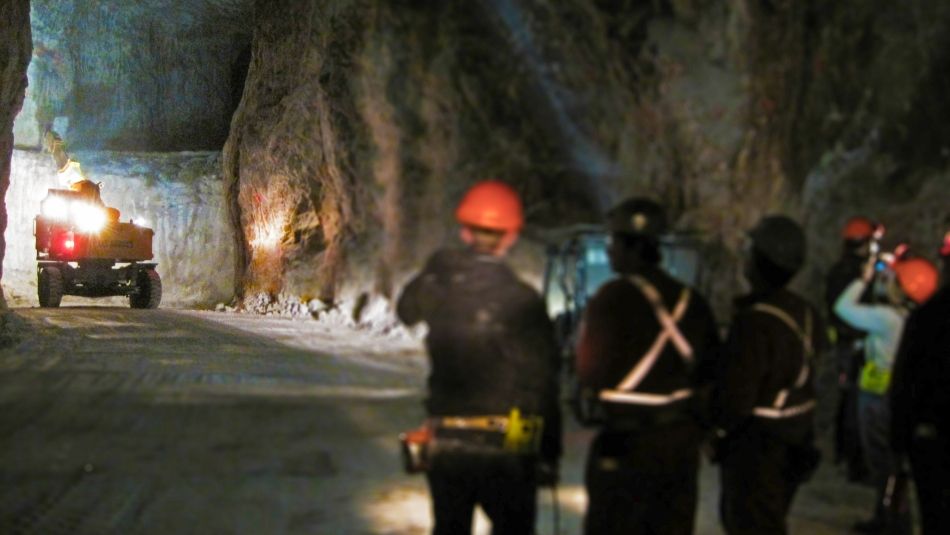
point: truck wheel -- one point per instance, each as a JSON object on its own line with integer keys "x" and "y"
{"x": 50, "y": 287}
{"x": 148, "y": 287}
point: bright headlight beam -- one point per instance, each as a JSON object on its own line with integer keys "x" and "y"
{"x": 55, "y": 208}
{"x": 87, "y": 217}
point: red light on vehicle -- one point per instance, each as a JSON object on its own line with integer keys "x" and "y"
{"x": 69, "y": 244}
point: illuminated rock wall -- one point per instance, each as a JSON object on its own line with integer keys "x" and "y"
{"x": 362, "y": 122}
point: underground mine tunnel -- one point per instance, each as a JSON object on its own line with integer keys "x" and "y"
{"x": 291, "y": 164}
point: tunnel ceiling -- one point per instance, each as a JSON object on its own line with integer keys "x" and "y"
{"x": 144, "y": 75}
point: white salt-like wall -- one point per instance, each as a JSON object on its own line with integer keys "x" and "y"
{"x": 180, "y": 195}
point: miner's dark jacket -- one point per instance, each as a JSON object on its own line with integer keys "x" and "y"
{"x": 920, "y": 384}
{"x": 763, "y": 355}
{"x": 491, "y": 344}
{"x": 620, "y": 326}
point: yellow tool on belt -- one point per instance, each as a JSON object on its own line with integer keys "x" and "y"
{"x": 523, "y": 434}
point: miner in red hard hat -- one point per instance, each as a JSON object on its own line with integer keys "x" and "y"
{"x": 920, "y": 398}
{"x": 856, "y": 237}
{"x": 493, "y": 387}
{"x": 906, "y": 283}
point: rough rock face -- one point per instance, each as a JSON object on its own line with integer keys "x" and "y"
{"x": 142, "y": 75}
{"x": 362, "y": 122}
{"x": 16, "y": 44}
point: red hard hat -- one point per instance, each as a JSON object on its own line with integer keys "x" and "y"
{"x": 493, "y": 205}
{"x": 858, "y": 228}
{"x": 917, "y": 277}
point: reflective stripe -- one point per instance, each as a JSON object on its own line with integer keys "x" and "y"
{"x": 625, "y": 391}
{"x": 788, "y": 412}
{"x": 808, "y": 352}
{"x": 663, "y": 316}
{"x": 641, "y": 398}
{"x": 670, "y": 331}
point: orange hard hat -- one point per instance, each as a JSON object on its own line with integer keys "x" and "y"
{"x": 917, "y": 277}
{"x": 491, "y": 204}
{"x": 858, "y": 228}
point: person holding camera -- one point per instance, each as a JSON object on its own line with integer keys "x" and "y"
{"x": 856, "y": 241}
{"x": 904, "y": 284}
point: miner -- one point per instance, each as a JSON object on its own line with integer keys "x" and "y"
{"x": 920, "y": 402}
{"x": 765, "y": 398}
{"x": 647, "y": 346}
{"x": 493, "y": 387}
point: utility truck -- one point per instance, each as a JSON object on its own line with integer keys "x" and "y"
{"x": 82, "y": 247}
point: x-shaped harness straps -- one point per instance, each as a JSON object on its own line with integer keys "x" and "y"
{"x": 778, "y": 409}
{"x": 669, "y": 333}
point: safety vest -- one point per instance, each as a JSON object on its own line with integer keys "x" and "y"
{"x": 625, "y": 392}
{"x": 874, "y": 379}
{"x": 778, "y": 409}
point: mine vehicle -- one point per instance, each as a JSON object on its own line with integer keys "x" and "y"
{"x": 576, "y": 267}
{"x": 83, "y": 249}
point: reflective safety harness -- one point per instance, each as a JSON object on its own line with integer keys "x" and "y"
{"x": 626, "y": 392}
{"x": 778, "y": 409}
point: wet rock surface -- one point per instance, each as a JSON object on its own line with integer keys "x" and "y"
{"x": 118, "y": 421}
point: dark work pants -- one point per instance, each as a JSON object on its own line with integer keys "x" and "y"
{"x": 847, "y": 433}
{"x": 875, "y": 418}
{"x": 643, "y": 481}
{"x": 758, "y": 485}
{"x": 930, "y": 461}
{"x": 504, "y": 485}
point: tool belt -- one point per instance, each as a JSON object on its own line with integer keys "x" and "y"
{"x": 874, "y": 379}
{"x": 513, "y": 434}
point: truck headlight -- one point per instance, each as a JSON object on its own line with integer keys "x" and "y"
{"x": 88, "y": 217}
{"x": 55, "y": 208}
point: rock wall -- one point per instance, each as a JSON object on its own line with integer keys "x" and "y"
{"x": 152, "y": 75}
{"x": 180, "y": 195}
{"x": 16, "y": 44}
{"x": 362, "y": 122}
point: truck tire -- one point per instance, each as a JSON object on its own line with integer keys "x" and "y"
{"x": 148, "y": 290}
{"x": 50, "y": 287}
